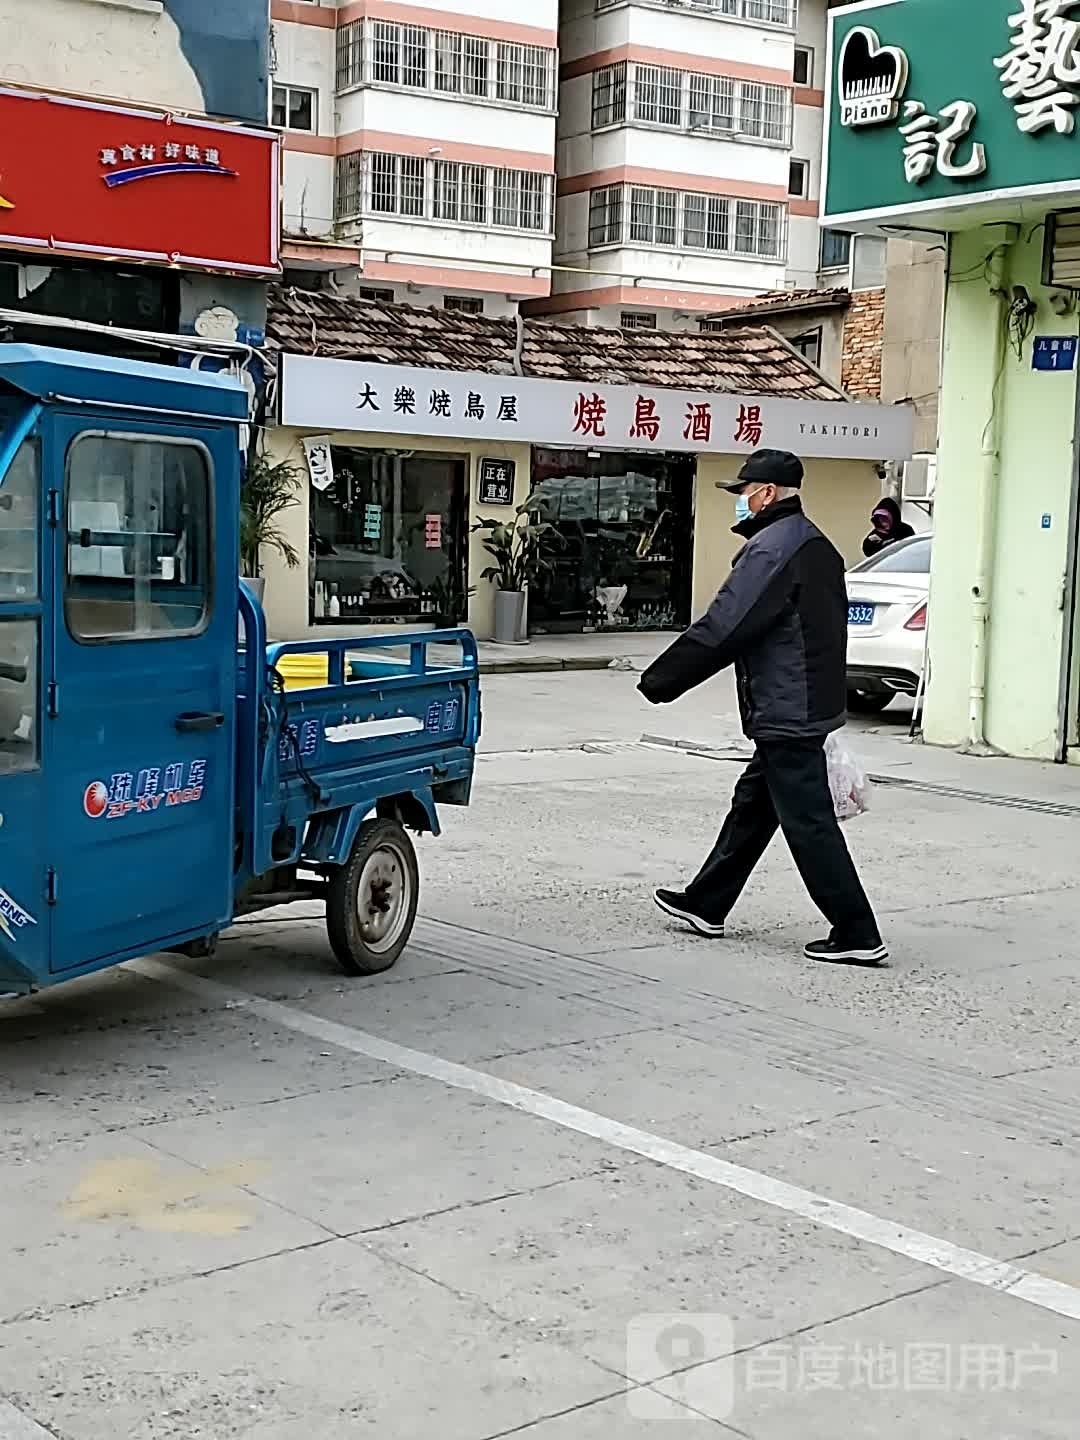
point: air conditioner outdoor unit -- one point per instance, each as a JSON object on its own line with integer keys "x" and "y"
{"x": 920, "y": 475}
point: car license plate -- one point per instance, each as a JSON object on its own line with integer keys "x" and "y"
{"x": 860, "y": 614}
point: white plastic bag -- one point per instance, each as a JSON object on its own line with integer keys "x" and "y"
{"x": 848, "y": 783}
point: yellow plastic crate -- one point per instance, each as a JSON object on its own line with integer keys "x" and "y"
{"x": 304, "y": 672}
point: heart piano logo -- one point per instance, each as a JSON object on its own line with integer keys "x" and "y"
{"x": 872, "y": 79}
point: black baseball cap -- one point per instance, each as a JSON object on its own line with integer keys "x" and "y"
{"x": 768, "y": 467}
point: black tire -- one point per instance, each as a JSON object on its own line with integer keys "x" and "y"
{"x": 382, "y": 861}
{"x": 868, "y": 702}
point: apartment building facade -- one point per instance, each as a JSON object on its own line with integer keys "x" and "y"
{"x": 419, "y": 147}
{"x": 612, "y": 161}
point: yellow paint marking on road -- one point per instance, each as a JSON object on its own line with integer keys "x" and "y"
{"x": 143, "y": 1194}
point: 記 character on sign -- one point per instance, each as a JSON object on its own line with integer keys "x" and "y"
{"x": 928, "y": 148}
{"x": 1040, "y": 72}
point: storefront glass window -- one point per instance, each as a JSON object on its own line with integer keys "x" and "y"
{"x": 624, "y": 553}
{"x": 388, "y": 538}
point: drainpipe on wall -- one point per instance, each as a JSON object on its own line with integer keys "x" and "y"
{"x": 989, "y": 473}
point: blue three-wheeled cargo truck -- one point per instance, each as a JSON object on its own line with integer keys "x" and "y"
{"x": 156, "y": 777}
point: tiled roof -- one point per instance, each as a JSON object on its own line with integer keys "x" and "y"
{"x": 776, "y": 302}
{"x": 742, "y": 362}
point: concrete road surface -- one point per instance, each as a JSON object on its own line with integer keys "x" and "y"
{"x": 568, "y": 1172}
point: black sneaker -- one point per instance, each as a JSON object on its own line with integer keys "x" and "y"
{"x": 834, "y": 953}
{"x": 674, "y": 902}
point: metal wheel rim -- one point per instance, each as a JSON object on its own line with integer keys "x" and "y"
{"x": 383, "y": 896}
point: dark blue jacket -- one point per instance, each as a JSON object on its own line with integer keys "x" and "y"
{"x": 781, "y": 619}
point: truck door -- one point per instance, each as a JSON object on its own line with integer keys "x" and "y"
{"x": 142, "y": 739}
{"x": 24, "y": 883}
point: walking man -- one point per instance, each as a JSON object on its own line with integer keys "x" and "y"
{"x": 781, "y": 619}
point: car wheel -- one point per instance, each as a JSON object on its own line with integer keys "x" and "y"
{"x": 868, "y": 702}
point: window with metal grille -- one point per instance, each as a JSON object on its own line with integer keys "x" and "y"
{"x": 474, "y": 194}
{"x": 757, "y": 229}
{"x": 348, "y": 186}
{"x": 521, "y": 74}
{"x": 767, "y": 12}
{"x": 706, "y": 222}
{"x": 637, "y": 320}
{"x": 475, "y": 66}
{"x": 448, "y": 52}
{"x": 399, "y": 54}
{"x": 712, "y": 102}
{"x": 464, "y": 304}
{"x": 414, "y": 56}
{"x": 397, "y": 184}
{"x": 710, "y": 326}
{"x": 520, "y": 199}
{"x": 653, "y": 215}
{"x": 606, "y": 215}
{"x": 609, "y": 95}
{"x": 457, "y": 193}
{"x": 386, "y": 53}
{"x": 447, "y": 202}
{"x": 658, "y": 95}
{"x": 764, "y": 111}
{"x": 350, "y": 53}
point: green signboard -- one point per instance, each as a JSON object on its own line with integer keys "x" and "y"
{"x": 948, "y": 112}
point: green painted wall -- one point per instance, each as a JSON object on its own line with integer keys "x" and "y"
{"x": 1037, "y": 415}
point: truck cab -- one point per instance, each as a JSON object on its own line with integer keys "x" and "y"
{"x": 156, "y": 777}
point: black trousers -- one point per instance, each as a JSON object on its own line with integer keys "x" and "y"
{"x": 786, "y": 786}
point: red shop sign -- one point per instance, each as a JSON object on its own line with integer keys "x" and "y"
{"x": 79, "y": 178}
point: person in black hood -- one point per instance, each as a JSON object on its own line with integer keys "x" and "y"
{"x": 887, "y": 526}
{"x": 781, "y": 619}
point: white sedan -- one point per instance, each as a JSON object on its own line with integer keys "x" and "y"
{"x": 887, "y": 602}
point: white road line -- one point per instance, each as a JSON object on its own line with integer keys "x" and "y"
{"x": 998, "y": 1275}
{"x": 14, "y": 1425}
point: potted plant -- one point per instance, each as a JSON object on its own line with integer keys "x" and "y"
{"x": 268, "y": 490}
{"x": 449, "y": 603}
{"x": 516, "y": 547}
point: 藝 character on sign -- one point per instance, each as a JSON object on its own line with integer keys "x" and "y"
{"x": 751, "y": 426}
{"x": 646, "y": 424}
{"x": 1041, "y": 68}
{"x": 928, "y": 148}
{"x": 590, "y": 415}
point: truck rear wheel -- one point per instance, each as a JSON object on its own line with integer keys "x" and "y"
{"x": 371, "y": 903}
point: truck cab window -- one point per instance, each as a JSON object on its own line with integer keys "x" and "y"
{"x": 19, "y": 524}
{"x": 138, "y": 543}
